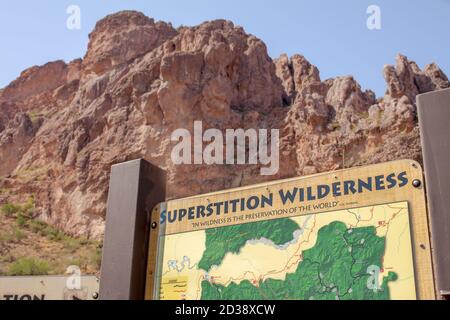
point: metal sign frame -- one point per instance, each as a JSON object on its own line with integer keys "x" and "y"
{"x": 434, "y": 120}
{"x": 135, "y": 186}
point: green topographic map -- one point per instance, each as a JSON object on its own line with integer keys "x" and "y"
{"x": 336, "y": 267}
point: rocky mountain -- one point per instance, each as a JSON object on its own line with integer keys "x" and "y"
{"x": 62, "y": 125}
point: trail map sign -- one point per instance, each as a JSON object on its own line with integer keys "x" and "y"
{"x": 359, "y": 233}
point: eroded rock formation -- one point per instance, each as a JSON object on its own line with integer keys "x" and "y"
{"x": 62, "y": 125}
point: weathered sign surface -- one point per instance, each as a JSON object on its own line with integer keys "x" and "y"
{"x": 49, "y": 288}
{"x": 359, "y": 233}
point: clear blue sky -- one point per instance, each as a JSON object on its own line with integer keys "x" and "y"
{"x": 331, "y": 34}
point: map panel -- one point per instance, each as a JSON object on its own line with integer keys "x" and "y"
{"x": 361, "y": 253}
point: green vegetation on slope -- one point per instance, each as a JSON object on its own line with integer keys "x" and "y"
{"x": 32, "y": 247}
{"x": 29, "y": 267}
{"x": 335, "y": 268}
{"x": 220, "y": 241}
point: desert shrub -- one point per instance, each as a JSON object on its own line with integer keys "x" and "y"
{"x": 36, "y": 226}
{"x": 96, "y": 258}
{"x": 28, "y": 207}
{"x": 29, "y": 267}
{"x": 14, "y": 235}
{"x": 45, "y": 230}
{"x": 18, "y": 234}
{"x": 77, "y": 261}
{"x": 54, "y": 234}
{"x": 25, "y": 210}
{"x": 35, "y": 115}
{"x": 84, "y": 241}
{"x": 9, "y": 209}
{"x": 21, "y": 220}
{"x": 71, "y": 244}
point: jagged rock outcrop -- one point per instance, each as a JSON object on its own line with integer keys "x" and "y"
{"x": 120, "y": 38}
{"x": 62, "y": 125}
{"x": 334, "y": 124}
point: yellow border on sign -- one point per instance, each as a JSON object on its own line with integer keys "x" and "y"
{"x": 414, "y": 195}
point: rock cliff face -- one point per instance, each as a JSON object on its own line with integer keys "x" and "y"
{"x": 62, "y": 125}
